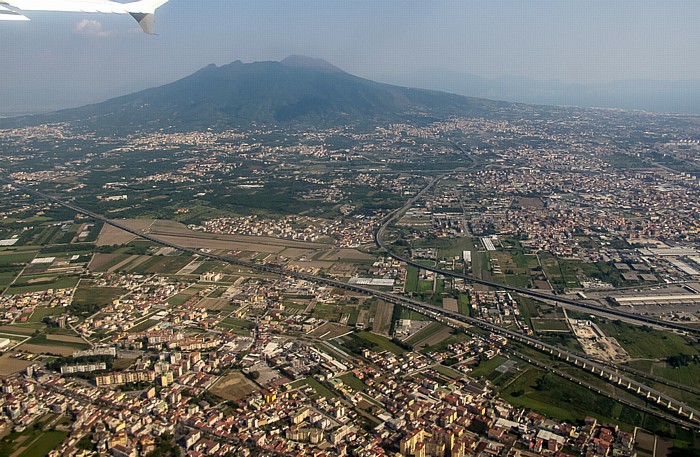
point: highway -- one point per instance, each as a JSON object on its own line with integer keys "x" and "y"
{"x": 685, "y": 413}
{"x": 609, "y": 313}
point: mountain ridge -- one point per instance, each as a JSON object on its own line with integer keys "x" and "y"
{"x": 297, "y": 91}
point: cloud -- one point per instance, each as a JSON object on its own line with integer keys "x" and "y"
{"x": 91, "y": 28}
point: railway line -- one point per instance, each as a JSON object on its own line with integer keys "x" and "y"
{"x": 686, "y": 416}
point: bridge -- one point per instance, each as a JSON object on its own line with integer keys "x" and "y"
{"x": 688, "y": 417}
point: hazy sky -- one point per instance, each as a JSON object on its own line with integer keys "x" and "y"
{"x": 64, "y": 59}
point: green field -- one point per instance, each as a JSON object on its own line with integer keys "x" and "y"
{"x": 426, "y": 333}
{"x": 43, "y": 341}
{"x": 544, "y": 325}
{"x": 6, "y": 279}
{"x": 101, "y": 296}
{"x": 23, "y": 285}
{"x": 45, "y": 444}
{"x": 41, "y": 312}
{"x": 687, "y": 375}
{"x": 17, "y": 257}
{"x": 411, "y": 279}
{"x": 354, "y": 383}
{"x": 643, "y": 342}
{"x": 317, "y": 386}
{"x": 383, "y": 343}
{"x": 449, "y": 372}
{"x": 35, "y": 442}
{"x": 143, "y": 326}
{"x": 464, "y": 306}
{"x": 162, "y": 265}
{"x": 487, "y": 367}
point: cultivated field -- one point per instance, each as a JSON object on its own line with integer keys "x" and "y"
{"x": 431, "y": 335}
{"x": 102, "y": 262}
{"x": 382, "y": 319}
{"x": 212, "y": 304}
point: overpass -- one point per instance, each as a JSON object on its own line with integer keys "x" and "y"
{"x": 609, "y": 313}
{"x": 685, "y": 413}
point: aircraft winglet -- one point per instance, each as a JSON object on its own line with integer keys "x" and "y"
{"x": 7, "y": 14}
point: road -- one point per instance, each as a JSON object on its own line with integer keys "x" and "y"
{"x": 609, "y": 313}
{"x": 437, "y": 313}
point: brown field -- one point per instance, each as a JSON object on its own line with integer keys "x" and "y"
{"x": 382, "y": 320}
{"x": 134, "y": 263}
{"x": 311, "y": 264}
{"x": 10, "y": 366}
{"x": 347, "y": 254}
{"x": 295, "y": 253}
{"x": 123, "y": 263}
{"x": 17, "y": 330}
{"x": 169, "y": 264}
{"x": 329, "y": 331}
{"x": 233, "y": 387}
{"x": 438, "y": 337}
{"x": 213, "y": 304}
{"x": 63, "y": 351}
{"x": 101, "y": 262}
{"x": 65, "y": 339}
{"x": 542, "y": 285}
{"x": 110, "y": 236}
{"x": 530, "y": 202}
{"x": 450, "y": 304}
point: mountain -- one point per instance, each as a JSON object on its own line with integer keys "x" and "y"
{"x": 659, "y": 96}
{"x": 297, "y": 91}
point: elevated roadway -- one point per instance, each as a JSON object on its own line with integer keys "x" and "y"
{"x": 686, "y": 414}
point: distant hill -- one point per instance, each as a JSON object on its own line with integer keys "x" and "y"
{"x": 297, "y": 91}
{"x": 657, "y": 96}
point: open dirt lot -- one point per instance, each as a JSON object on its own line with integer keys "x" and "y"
{"x": 63, "y": 351}
{"x": 10, "y": 366}
{"x": 65, "y": 338}
{"x": 347, "y": 254}
{"x": 233, "y": 387}
{"x": 450, "y": 304}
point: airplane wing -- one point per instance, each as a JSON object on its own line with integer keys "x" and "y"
{"x": 7, "y": 14}
{"x": 142, "y": 10}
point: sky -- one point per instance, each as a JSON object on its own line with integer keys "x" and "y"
{"x": 61, "y": 60}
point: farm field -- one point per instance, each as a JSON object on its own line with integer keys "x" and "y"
{"x": 431, "y": 335}
{"x": 383, "y": 343}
